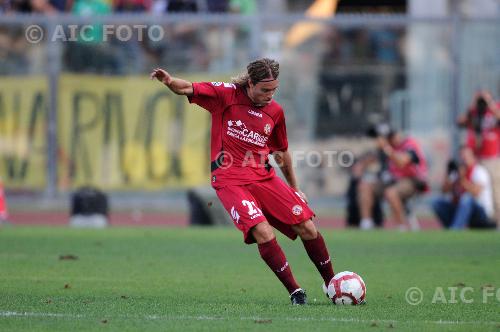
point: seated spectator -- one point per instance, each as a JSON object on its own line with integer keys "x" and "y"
{"x": 217, "y": 6}
{"x": 51, "y": 6}
{"x": 90, "y": 54}
{"x": 405, "y": 177}
{"x": 4, "y": 7}
{"x": 91, "y": 8}
{"x": 136, "y": 6}
{"x": 18, "y": 6}
{"x": 470, "y": 199}
{"x": 244, "y": 7}
{"x": 184, "y": 6}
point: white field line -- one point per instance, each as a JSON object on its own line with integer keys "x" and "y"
{"x": 204, "y": 317}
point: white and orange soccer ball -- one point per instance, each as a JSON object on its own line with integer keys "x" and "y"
{"x": 347, "y": 288}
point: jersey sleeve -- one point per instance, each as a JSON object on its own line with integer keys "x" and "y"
{"x": 212, "y": 96}
{"x": 278, "y": 140}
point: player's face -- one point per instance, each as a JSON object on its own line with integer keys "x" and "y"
{"x": 262, "y": 93}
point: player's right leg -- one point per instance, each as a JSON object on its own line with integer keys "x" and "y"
{"x": 247, "y": 216}
{"x": 275, "y": 258}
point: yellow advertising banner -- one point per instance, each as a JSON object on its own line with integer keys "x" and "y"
{"x": 117, "y": 133}
{"x": 23, "y": 132}
{"x": 129, "y": 133}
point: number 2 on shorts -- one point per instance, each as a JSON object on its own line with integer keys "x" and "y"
{"x": 252, "y": 207}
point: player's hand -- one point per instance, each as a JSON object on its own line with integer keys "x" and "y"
{"x": 161, "y": 75}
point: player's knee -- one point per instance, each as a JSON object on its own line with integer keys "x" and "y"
{"x": 306, "y": 230}
{"x": 263, "y": 232}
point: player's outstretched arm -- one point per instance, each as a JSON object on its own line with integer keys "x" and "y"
{"x": 176, "y": 85}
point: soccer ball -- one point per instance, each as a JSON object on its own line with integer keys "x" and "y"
{"x": 347, "y": 288}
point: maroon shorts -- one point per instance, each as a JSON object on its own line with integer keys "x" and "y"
{"x": 270, "y": 200}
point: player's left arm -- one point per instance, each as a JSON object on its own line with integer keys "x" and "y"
{"x": 285, "y": 163}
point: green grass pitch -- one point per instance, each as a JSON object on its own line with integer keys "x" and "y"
{"x": 207, "y": 279}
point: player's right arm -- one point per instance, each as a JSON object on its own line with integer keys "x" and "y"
{"x": 176, "y": 85}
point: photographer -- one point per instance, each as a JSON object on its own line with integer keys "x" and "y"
{"x": 404, "y": 177}
{"x": 468, "y": 200}
{"x": 481, "y": 121}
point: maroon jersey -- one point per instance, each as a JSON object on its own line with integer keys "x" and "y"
{"x": 242, "y": 134}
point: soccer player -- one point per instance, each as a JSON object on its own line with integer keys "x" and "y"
{"x": 247, "y": 126}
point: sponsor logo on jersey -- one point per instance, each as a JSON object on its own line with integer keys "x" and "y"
{"x": 226, "y": 85}
{"x": 297, "y": 210}
{"x": 267, "y": 128}
{"x": 255, "y": 113}
{"x": 238, "y": 130}
{"x": 235, "y": 215}
{"x": 237, "y": 124}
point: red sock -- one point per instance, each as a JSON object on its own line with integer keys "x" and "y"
{"x": 318, "y": 253}
{"x": 274, "y": 257}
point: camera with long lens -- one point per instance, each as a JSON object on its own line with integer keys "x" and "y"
{"x": 481, "y": 108}
{"x": 481, "y": 105}
{"x": 452, "y": 170}
{"x": 379, "y": 130}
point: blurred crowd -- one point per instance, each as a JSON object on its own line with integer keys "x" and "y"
{"x": 89, "y": 7}
{"x": 185, "y": 46}
{"x": 375, "y": 45}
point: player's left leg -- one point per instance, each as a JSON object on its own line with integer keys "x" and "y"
{"x": 316, "y": 248}
{"x": 289, "y": 213}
